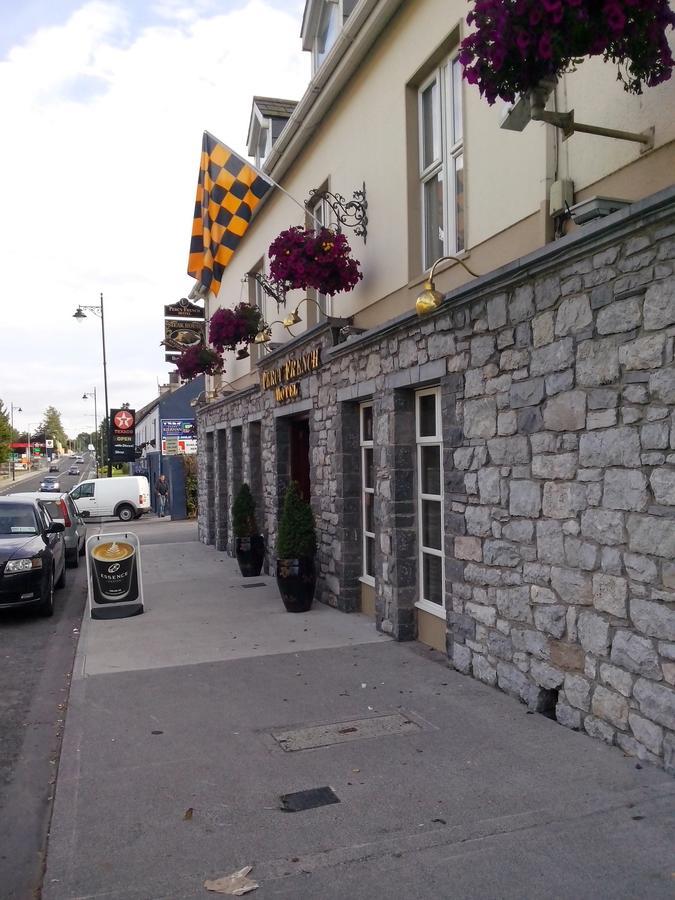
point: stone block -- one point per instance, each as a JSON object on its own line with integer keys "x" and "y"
{"x": 520, "y": 530}
{"x": 514, "y": 603}
{"x": 567, "y": 656}
{"x": 621, "y": 316}
{"x": 551, "y": 620}
{"x": 578, "y": 691}
{"x": 532, "y": 642}
{"x": 482, "y": 348}
{"x": 563, "y": 500}
{"x": 594, "y": 633}
{"x": 524, "y": 498}
{"x": 566, "y": 411}
{"x": 463, "y": 627}
{"x": 555, "y": 466}
{"x": 478, "y": 520}
{"x": 483, "y": 670}
{"x": 512, "y": 680}
{"x": 610, "y": 594}
{"x": 461, "y": 658}
{"x": 574, "y": 315}
{"x": 657, "y": 702}
{"x": 659, "y": 305}
{"x": 611, "y": 447}
{"x": 572, "y": 586}
{"x": 655, "y": 436}
{"x": 540, "y": 594}
{"x": 565, "y": 715}
{"x": 553, "y": 357}
{"x": 558, "y": 382}
{"x": 596, "y": 728}
{"x": 501, "y": 553}
{"x": 635, "y": 653}
{"x": 542, "y": 329}
{"x": 509, "y": 450}
{"x": 489, "y": 485}
{"x": 580, "y": 554}
{"x": 653, "y": 618}
{"x": 610, "y": 706}
{"x": 526, "y": 393}
{"x": 640, "y": 568}
{"x": 550, "y": 546}
{"x": 597, "y": 362}
{"x": 604, "y": 526}
{"x": 486, "y": 615}
{"x": 662, "y": 482}
{"x": 468, "y": 548}
{"x": 496, "y": 312}
{"x": 617, "y": 678}
{"x": 646, "y": 732}
{"x": 529, "y": 419}
{"x": 643, "y": 353}
{"x": 545, "y": 675}
{"x": 662, "y": 385}
{"x": 651, "y": 535}
{"x": 521, "y": 305}
{"x": 625, "y": 489}
{"x": 602, "y": 398}
{"x": 500, "y": 645}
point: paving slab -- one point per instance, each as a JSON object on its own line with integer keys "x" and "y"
{"x": 170, "y": 772}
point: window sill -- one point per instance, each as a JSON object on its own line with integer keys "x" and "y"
{"x": 367, "y": 579}
{"x": 444, "y": 266}
{"x": 433, "y": 608}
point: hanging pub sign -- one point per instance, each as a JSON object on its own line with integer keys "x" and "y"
{"x": 171, "y": 356}
{"x": 283, "y": 379}
{"x": 122, "y": 435}
{"x": 183, "y": 309}
{"x": 179, "y": 335}
{"x": 114, "y": 576}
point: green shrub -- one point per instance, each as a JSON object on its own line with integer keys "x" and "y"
{"x": 297, "y": 535}
{"x": 243, "y": 513}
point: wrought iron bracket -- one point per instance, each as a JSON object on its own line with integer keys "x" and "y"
{"x": 348, "y": 213}
{"x": 273, "y": 289}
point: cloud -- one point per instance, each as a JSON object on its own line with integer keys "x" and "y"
{"x": 99, "y": 165}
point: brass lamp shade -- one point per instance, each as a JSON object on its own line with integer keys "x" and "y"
{"x": 292, "y": 319}
{"x": 243, "y": 353}
{"x": 263, "y": 337}
{"x": 429, "y": 299}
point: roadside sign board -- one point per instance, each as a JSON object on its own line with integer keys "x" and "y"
{"x": 179, "y": 334}
{"x": 183, "y": 309}
{"x": 178, "y": 436}
{"x": 114, "y": 582}
{"x": 122, "y": 436}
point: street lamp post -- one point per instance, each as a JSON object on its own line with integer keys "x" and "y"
{"x": 79, "y": 315}
{"x": 18, "y": 409}
{"x": 86, "y": 396}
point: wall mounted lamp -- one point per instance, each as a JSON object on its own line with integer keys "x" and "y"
{"x": 294, "y": 318}
{"x": 430, "y": 299}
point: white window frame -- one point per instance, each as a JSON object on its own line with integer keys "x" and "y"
{"x": 259, "y": 298}
{"x": 322, "y": 213}
{"x": 317, "y": 59}
{"x": 424, "y": 441}
{"x": 365, "y": 534}
{"x": 448, "y": 154}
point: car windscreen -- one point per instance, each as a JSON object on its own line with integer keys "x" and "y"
{"x": 17, "y": 518}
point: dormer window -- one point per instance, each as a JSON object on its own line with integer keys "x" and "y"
{"x": 268, "y": 118}
{"x": 321, "y": 25}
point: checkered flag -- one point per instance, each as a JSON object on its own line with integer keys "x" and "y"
{"x": 228, "y": 191}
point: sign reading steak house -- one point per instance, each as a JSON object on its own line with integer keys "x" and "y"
{"x": 282, "y": 378}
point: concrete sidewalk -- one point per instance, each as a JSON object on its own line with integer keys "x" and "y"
{"x": 446, "y": 788}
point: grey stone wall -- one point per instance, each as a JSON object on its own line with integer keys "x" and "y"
{"x": 558, "y": 397}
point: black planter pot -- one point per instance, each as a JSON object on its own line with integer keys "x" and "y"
{"x": 250, "y": 555}
{"x": 296, "y": 580}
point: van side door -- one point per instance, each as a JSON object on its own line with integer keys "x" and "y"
{"x": 84, "y": 497}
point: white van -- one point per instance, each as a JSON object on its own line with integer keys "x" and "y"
{"x": 126, "y": 497}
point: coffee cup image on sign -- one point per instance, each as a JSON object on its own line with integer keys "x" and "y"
{"x": 114, "y": 563}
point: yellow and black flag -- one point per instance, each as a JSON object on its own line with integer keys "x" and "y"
{"x": 228, "y": 192}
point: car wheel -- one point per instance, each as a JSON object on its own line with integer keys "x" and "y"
{"x": 61, "y": 583}
{"x": 46, "y": 607}
{"x": 125, "y": 512}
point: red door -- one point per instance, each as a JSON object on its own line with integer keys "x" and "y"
{"x": 300, "y": 456}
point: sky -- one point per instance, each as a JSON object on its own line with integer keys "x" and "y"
{"x": 104, "y": 104}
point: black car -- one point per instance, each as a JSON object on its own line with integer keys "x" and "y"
{"x": 32, "y": 556}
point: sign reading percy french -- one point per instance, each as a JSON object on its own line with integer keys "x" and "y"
{"x": 122, "y": 435}
{"x": 184, "y": 310}
{"x": 283, "y": 378}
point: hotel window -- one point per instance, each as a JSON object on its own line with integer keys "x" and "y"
{"x": 256, "y": 297}
{"x": 367, "y": 492}
{"x": 322, "y": 22}
{"x": 430, "y": 497}
{"x": 441, "y": 154}
{"x": 322, "y": 215}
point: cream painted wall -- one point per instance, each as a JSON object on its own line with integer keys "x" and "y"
{"x": 362, "y": 138}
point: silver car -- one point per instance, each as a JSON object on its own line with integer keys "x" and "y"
{"x": 62, "y": 509}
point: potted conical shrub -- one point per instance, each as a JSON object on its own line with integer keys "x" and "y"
{"x": 249, "y": 544}
{"x": 296, "y": 549}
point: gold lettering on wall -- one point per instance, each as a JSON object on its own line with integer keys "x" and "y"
{"x": 293, "y": 368}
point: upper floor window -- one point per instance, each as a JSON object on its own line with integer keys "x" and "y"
{"x": 322, "y": 22}
{"x": 257, "y": 297}
{"x": 441, "y": 154}
{"x": 322, "y": 215}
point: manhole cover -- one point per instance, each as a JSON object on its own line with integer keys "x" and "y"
{"x": 341, "y": 732}
{"x": 308, "y": 799}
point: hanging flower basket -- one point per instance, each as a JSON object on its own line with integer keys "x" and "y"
{"x": 199, "y": 360}
{"x": 304, "y": 258}
{"x": 520, "y": 43}
{"x": 229, "y": 327}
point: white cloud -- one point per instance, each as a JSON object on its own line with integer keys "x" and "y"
{"x": 97, "y": 178}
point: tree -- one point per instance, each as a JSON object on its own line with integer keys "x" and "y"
{"x": 83, "y": 440}
{"x": 51, "y": 426}
{"x": 5, "y": 433}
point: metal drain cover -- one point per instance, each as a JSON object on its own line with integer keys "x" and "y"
{"x": 341, "y": 732}
{"x": 310, "y": 799}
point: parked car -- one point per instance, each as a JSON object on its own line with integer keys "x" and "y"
{"x": 50, "y": 483}
{"x": 32, "y": 555}
{"x": 62, "y": 509}
{"x": 126, "y": 497}
{"x": 73, "y": 470}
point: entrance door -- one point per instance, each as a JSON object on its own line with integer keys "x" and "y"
{"x": 300, "y": 456}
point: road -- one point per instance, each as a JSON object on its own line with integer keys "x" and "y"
{"x": 36, "y": 660}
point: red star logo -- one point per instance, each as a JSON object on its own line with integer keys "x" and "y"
{"x": 123, "y": 419}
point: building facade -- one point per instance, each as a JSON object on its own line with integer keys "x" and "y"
{"x": 497, "y": 479}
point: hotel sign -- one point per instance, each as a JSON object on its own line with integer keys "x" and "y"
{"x": 283, "y": 379}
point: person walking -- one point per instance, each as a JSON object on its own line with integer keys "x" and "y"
{"x": 162, "y": 492}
